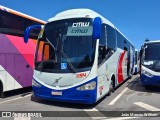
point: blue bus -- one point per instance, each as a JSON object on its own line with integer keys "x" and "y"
{"x": 150, "y": 64}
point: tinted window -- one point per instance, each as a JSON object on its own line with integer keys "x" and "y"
{"x": 108, "y": 37}
{"x": 111, "y": 37}
{"x": 107, "y": 43}
{"x": 120, "y": 40}
{"x": 103, "y": 39}
{"x": 15, "y": 25}
{"x": 150, "y": 52}
{"x": 10, "y": 23}
{"x": 66, "y": 47}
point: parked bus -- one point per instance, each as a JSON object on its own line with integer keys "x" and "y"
{"x": 137, "y": 61}
{"x": 150, "y": 64}
{"x": 80, "y": 57}
{"x": 16, "y": 58}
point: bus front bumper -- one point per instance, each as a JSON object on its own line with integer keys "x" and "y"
{"x": 150, "y": 80}
{"x": 71, "y": 95}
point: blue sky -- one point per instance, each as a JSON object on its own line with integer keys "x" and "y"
{"x": 136, "y": 19}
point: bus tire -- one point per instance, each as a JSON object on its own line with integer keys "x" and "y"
{"x": 147, "y": 87}
{"x": 2, "y": 95}
{"x": 112, "y": 86}
{"x": 130, "y": 77}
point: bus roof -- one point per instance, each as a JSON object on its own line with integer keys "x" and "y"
{"x": 82, "y": 13}
{"x": 79, "y": 13}
{"x": 153, "y": 41}
{"x": 21, "y": 14}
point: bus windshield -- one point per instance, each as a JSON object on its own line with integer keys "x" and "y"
{"x": 151, "y": 57}
{"x": 67, "y": 45}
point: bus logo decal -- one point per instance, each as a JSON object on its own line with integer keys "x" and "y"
{"x": 80, "y": 75}
{"x": 80, "y": 24}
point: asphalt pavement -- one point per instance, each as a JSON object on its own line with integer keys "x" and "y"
{"x": 130, "y": 97}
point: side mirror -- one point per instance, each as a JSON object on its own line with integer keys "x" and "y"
{"x": 27, "y": 31}
{"x": 97, "y": 23}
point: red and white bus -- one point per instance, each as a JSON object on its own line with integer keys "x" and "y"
{"x": 16, "y": 58}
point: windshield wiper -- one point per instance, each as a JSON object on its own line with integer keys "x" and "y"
{"x": 63, "y": 53}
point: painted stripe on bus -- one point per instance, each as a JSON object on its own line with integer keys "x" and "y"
{"x": 120, "y": 70}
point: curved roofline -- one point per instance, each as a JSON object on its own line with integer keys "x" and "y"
{"x": 79, "y": 13}
{"x": 153, "y": 41}
{"x": 21, "y": 14}
{"x": 83, "y": 13}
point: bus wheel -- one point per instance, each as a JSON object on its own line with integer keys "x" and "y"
{"x": 130, "y": 77}
{"x": 112, "y": 86}
{"x": 147, "y": 87}
{"x": 1, "y": 91}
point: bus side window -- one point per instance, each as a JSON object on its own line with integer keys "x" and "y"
{"x": 12, "y": 23}
{"x": 111, "y": 38}
{"x": 102, "y": 45}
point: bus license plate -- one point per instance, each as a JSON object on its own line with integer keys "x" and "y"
{"x": 56, "y": 93}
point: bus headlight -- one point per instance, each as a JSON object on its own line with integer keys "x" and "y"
{"x": 147, "y": 73}
{"x": 89, "y": 86}
{"x": 34, "y": 83}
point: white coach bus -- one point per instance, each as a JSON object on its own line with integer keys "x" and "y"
{"x": 80, "y": 57}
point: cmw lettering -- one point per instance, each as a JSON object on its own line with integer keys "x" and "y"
{"x": 80, "y": 24}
